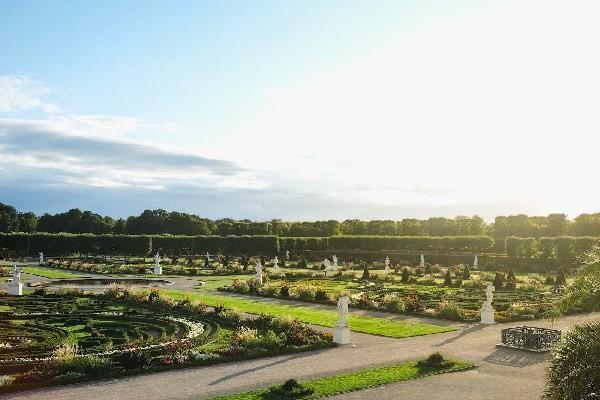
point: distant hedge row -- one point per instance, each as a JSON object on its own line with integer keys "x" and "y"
{"x": 59, "y": 244}
{"x": 63, "y": 244}
{"x": 411, "y": 243}
{"x": 550, "y": 247}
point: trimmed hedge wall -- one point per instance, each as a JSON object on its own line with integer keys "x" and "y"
{"x": 550, "y": 247}
{"x": 424, "y": 243}
{"x": 64, "y": 244}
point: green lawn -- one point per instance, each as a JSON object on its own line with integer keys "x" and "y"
{"x": 49, "y": 273}
{"x": 353, "y": 381}
{"x": 358, "y": 323}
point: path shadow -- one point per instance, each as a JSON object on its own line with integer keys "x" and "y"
{"x": 462, "y": 333}
{"x": 515, "y": 358}
{"x": 280, "y": 361}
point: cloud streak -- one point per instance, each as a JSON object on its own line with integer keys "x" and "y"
{"x": 102, "y": 161}
{"x": 19, "y": 92}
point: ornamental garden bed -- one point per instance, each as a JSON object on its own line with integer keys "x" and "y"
{"x": 69, "y": 336}
{"x": 429, "y": 296}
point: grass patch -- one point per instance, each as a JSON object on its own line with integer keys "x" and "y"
{"x": 49, "y": 273}
{"x": 359, "y": 380}
{"x": 358, "y": 323}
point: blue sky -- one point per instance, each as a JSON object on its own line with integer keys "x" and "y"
{"x": 299, "y": 110}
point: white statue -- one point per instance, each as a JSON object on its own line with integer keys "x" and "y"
{"x": 489, "y": 294}
{"x": 287, "y": 254}
{"x": 341, "y": 334}
{"x": 41, "y": 262}
{"x": 335, "y": 261}
{"x": 475, "y": 262}
{"x": 387, "y": 265}
{"x": 207, "y": 257}
{"x": 15, "y": 287}
{"x": 259, "y": 272}
{"x": 157, "y": 266}
{"x": 487, "y": 311}
{"x": 329, "y": 270}
{"x": 342, "y": 306}
{"x": 17, "y": 274}
{"x": 276, "y": 262}
{"x": 422, "y": 264}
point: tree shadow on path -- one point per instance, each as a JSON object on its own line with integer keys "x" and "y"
{"x": 462, "y": 333}
{"x": 294, "y": 357}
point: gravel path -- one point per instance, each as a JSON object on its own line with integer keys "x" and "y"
{"x": 502, "y": 374}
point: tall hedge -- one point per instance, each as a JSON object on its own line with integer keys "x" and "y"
{"x": 550, "y": 247}
{"x": 64, "y": 244}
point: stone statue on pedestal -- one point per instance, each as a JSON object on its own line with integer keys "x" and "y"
{"x": 259, "y": 272}
{"x": 341, "y": 335}
{"x": 276, "y": 262}
{"x": 157, "y": 267}
{"x": 41, "y": 261}
{"x": 475, "y": 262}
{"x": 487, "y": 311}
{"x": 15, "y": 287}
{"x": 387, "y": 266}
{"x": 422, "y": 264}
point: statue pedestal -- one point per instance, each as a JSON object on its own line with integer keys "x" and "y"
{"x": 15, "y": 289}
{"x": 330, "y": 272}
{"x": 487, "y": 315}
{"x": 158, "y": 270}
{"x": 341, "y": 335}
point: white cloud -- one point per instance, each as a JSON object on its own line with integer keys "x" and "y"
{"x": 19, "y": 92}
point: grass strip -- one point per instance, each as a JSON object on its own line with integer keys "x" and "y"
{"x": 49, "y": 273}
{"x": 358, "y": 380}
{"x": 358, "y": 323}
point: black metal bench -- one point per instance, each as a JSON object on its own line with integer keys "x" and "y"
{"x": 530, "y": 338}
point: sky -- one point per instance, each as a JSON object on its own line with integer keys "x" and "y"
{"x": 301, "y": 110}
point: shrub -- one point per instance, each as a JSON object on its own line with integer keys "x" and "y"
{"x": 302, "y": 263}
{"x": 560, "y": 278}
{"x": 448, "y": 278}
{"x": 132, "y": 359}
{"x": 284, "y": 291}
{"x": 412, "y": 304}
{"x": 89, "y": 365}
{"x": 466, "y": 274}
{"x": 365, "y": 275}
{"x": 321, "y": 295}
{"x": 291, "y": 389}
{"x": 405, "y": 275}
{"x": 435, "y": 360}
{"x": 499, "y": 281}
{"x": 575, "y": 368}
{"x": 511, "y": 280}
{"x": 6, "y": 380}
{"x": 306, "y": 293}
{"x": 451, "y": 311}
{"x": 393, "y": 303}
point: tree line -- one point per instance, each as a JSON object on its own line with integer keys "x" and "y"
{"x": 156, "y": 222}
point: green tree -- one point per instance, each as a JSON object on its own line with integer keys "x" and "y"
{"x": 27, "y": 222}
{"x": 405, "y": 275}
{"x": 448, "y": 278}
{"x": 574, "y": 372}
{"x": 365, "y": 275}
{"x": 9, "y": 220}
{"x": 499, "y": 281}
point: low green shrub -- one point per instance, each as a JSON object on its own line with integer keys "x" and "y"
{"x": 451, "y": 311}
{"x": 291, "y": 389}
